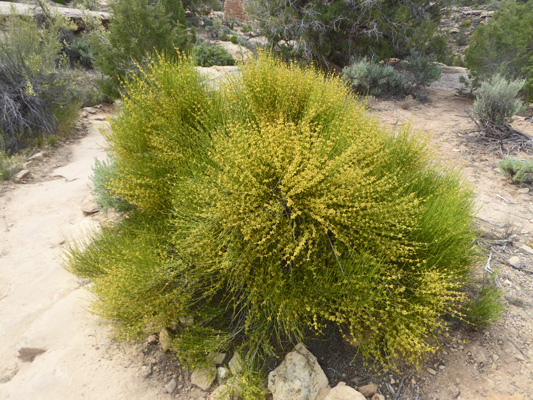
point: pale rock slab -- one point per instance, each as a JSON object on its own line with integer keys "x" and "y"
{"x": 204, "y": 378}
{"x": 235, "y": 364}
{"x": 88, "y": 206}
{"x": 344, "y": 392}
{"x": 298, "y": 377}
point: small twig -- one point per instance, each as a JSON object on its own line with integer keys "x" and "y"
{"x": 391, "y": 389}
{"x": 335, "y": 371}
{"x": 400, "y": 387}
{"x": 490, "y": 222}
{"x": 335, "y": 253}
{"x": 503, "y": 241}
{"x": 487, "y": 265}
{"x": 507, "y": 201}
{"x": 519, "y": 349}
{"x": 519, "y": 216}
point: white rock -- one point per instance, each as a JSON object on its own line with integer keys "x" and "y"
{"x": 151, "y": 339}
{"x": 204, "y": 378}
{"x": 37, "y": 156}
{"x": 298, "y": 377}
{"x": 171, "y": 386}
{"x": 523, "y": 190}
{"x": 431, "y": 371}
{"x": 343, "y": 392}
{"x": 24, "y": 174}
{"x": 526, "y": 248}
{"x": 221, "y": 393}
{"x": 222, "y": 373}
{"x": 378, "y": 396}
{"x": 235, "y": 364}
{"x": 515, "y": 261}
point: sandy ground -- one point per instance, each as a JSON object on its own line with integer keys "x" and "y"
{"x": 44, "y": 307}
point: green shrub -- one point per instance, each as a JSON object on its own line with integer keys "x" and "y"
{"x": 498, "y": 100}
{"x": 421, "y": 70}
{"x": 134, "y": 284}
{"x": 334, "y": 32}
{"x": 485, "y": 308}
{"x": 310, "y": 214}
{"x": 92, "y": 5}
{"x": 517, "y": 170}
{"x": 36, "y": 97}
{"x": 503, "y": 46}
{"x": 138, "y": 28}
{"x": 233, "y": 39}
{"x": 80, "y": 52}
{"x": 104, "y": 173}
{"x": 271, "y": 209}
{"x": 207, "y": 56}
{"x": 167, "y": 120}
{"x": 224, "y": 37}
{"x": 371, "y": 78}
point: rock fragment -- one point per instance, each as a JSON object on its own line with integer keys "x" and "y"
{"x": 298, "y": 377}
{"x": 203, "y": 378}
{"x": 344, "y": 392}
{"x": 368, "y": 390}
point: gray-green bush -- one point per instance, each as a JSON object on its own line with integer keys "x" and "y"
{"x": 372, "y": 78}
{"x": 498, "y": 100}
{"x": 519, "y": 171}
{"x": 207, "y": 56}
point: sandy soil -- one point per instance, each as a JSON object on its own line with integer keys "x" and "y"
{"x": 497, "y": 360}
{"x": 44, "y": 307}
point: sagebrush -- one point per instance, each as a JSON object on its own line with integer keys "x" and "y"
{"x": 518, "y": 170}
{"x": 376, "y": 79}
{"x": 272, "y": 208}
{"x": 498, "y": 100}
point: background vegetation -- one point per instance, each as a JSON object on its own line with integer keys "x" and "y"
{"x": 335, "y": 32}
{"x": 504, "y": 46}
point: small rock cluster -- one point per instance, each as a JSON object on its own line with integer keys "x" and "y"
{"x": 299, "y": 377}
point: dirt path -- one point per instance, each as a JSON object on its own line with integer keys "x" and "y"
{"x": 43, "y": 307}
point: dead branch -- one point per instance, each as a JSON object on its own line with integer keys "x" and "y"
{"x": 495, "y": 130}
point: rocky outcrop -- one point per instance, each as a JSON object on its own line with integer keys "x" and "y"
{"x": 235, "y": 9}
{"x": 77, "y": 16}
